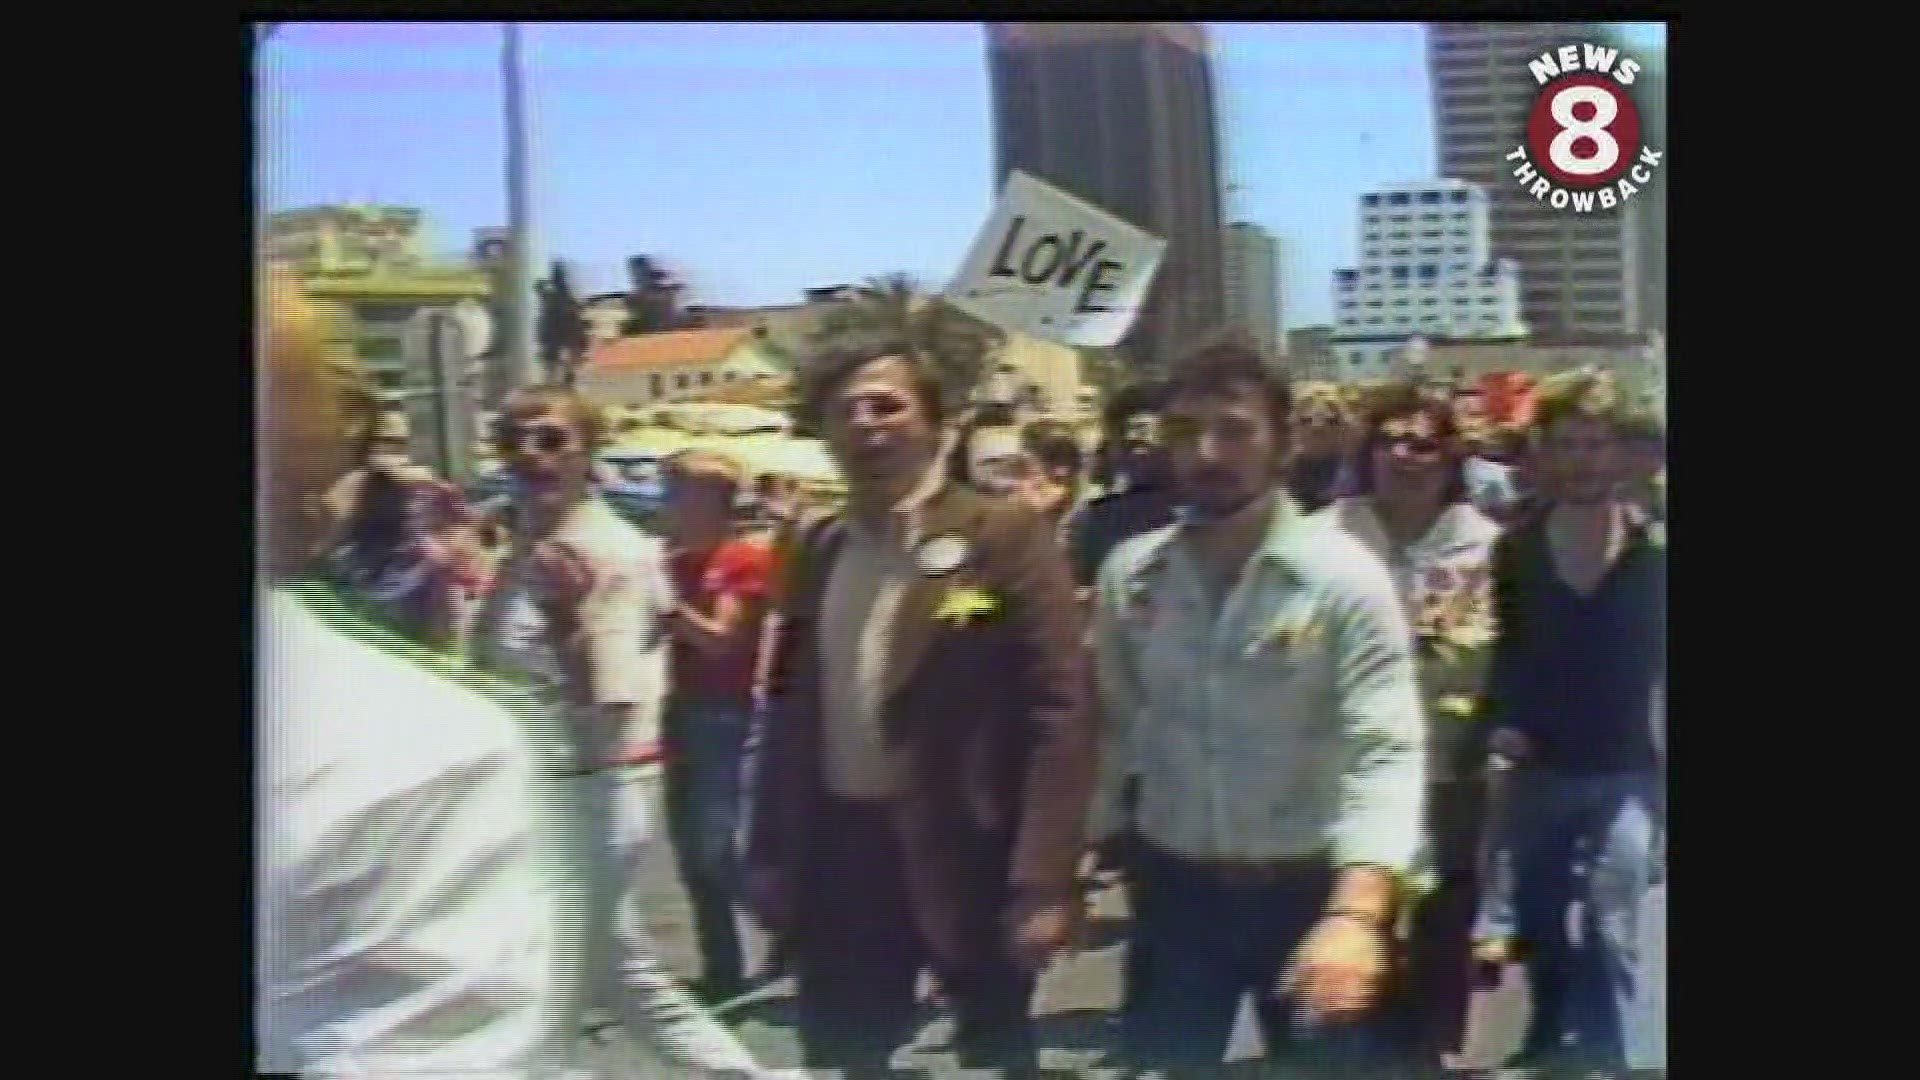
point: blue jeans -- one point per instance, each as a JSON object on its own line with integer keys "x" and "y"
{"x": 1589, "y": 996}
{"x": 1206, "y": 944}
{"x": 706, "y": 749}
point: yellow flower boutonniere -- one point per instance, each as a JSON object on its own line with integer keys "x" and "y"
{"x": 963, "y": 604}
{"x": 1458, "y": 706}
{"x": 1289, "y": 634}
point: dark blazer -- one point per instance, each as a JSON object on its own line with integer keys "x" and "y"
{"x": 992, "y": 715}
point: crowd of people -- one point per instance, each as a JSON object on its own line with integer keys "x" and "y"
{"x": 1351, "y": 697}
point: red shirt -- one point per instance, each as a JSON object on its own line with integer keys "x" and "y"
{"x": 738, "y": 568}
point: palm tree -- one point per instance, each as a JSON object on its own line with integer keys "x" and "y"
{"x": 894, "y": 308}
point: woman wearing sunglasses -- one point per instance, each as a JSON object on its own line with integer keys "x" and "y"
{"x": 1413, "y": 511}
{"x": 402, "y": 541}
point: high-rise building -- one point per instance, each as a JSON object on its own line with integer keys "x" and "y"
{"x": 1123, "y": 115}
{"x": 1650, "y": 206}
{"x": 1582, "y": 270}
{"x": 1251, "y": 258}
{"x": 1426, "y": 271}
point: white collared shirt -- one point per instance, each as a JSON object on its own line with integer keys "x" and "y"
{"x": 1460, "y": 541}
{"x": 621, "y": 616}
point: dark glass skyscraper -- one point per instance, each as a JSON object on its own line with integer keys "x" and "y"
{"x": 1123, "y": 115}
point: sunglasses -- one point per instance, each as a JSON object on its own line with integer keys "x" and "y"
{"x": 1415, "y": 445}
{"x": 544, "y": 438}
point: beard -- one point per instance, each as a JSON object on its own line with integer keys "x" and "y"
{"x": 1204, "y": 504}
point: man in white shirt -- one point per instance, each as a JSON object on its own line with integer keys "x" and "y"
{"x": 1257, "y": 672}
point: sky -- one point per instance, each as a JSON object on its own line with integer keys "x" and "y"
{"x": 760, "y": 159}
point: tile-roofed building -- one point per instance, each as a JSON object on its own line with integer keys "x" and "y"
{"x": 671, "y": 365}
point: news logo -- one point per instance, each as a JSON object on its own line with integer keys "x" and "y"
{"x": 1583, "y": 148}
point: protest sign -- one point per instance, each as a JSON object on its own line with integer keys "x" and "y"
{"x": 1056, "y": 267}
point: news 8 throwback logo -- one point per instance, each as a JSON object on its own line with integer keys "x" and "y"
{"x": 1583, "y": 147}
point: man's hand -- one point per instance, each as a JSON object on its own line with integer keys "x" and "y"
{"x": 1339, "y": 970}
{"x": 1511, "y": 744}
{"x": 1036, "y": 929}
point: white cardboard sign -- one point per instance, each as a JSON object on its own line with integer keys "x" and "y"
{"x": 1054, "y": 266}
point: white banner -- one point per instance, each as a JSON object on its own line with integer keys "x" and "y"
{"x": 1056, "y": 267}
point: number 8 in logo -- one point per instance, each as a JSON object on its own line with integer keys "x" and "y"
{"x": 1584, "y": 131}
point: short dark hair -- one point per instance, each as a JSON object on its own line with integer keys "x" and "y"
{"x": 1227, "y": 368}
{"x": 827, "y": 372}
{"x": 1401, "y": 399}
{"x": 1054, "y": 445}
{"x": 1131, "y": 400}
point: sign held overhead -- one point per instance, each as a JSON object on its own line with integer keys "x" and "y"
{"x": 1054, "y": 266}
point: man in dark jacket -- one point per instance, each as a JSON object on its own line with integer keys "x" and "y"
{"x": 929, "y": 756}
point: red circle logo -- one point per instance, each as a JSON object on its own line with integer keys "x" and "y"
{"x": 1584, "y": 131}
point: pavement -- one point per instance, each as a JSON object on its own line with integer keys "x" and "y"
{"x": 1076, "y": 1003}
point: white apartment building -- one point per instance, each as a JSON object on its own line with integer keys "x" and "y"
{"x": 1251, "y": 266}
{"x": 1426, "y": 271}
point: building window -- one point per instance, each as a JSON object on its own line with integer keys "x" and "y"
{"x": 1402, "y": 302}
{"x": 706, "y": 378}
{"x": 1376, "y": 304}
{"x": 1459, "y": 197}
{"x": 374, "y": 350}
{"x": 384, "y": 312}
{"x": 1370, "y": 200}
{"x": 680, "y": 381}
{"x": 1399, "y": 198}
{"x": 729, "y": 376}
{"x": 1429, "y": 198}
{"x": 1400, "y": 252}
{"x": 656, "y": 385}
{"x": 1399, "y": 273}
